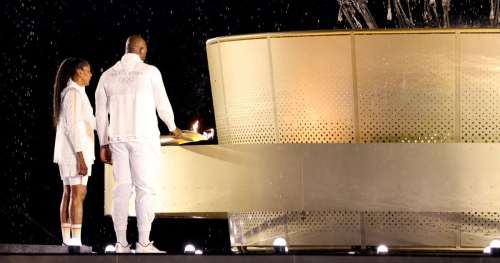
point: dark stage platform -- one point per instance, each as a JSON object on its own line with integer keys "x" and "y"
{"x": 21, "y": 253}
{"x": 43, "y": 249}
{"x": 239, "y": 259}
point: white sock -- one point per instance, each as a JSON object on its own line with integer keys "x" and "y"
{"x": 76, "y": 231}
{"x": 144, "y": 237}
{"x": 66, "y": 232}
{"x": 121, "y": 237}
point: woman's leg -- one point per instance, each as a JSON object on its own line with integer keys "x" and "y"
{"x": 78, "y": 193}
{"x": 64, "y": 214}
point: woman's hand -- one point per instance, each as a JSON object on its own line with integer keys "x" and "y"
{"x": 82, "y": 167}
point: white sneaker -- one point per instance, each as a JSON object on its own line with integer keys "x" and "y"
{"x": 149, "y": 248}
{"x": 74, "y": 242}
{"x": 119, "y": 248}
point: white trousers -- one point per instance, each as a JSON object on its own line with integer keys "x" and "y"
{"x": 135, "y": 164}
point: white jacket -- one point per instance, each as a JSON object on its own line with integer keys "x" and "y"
{"x": 131, "y": 92}
{"x": 75, "y": 129}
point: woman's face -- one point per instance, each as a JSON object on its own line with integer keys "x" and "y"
{"x": 84, "y": 74}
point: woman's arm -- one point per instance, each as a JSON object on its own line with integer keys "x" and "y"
{"x": 72, "y": 115}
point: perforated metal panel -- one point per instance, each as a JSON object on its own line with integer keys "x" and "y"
{"x": 479, "y": 228}
{"x": 365, "y": 228}
{"x": 480, "y": 88}
{"x": 483, "y": 222}
{"x": 257, "y": 228}
{"x": 359, "y": 87}
{"x": 247, "y": 81}
{"x": 339, "y": 228}
{"x": 314, "y": 71}
{"x": 218, "y": 95}
{"x": 412, "y": 229}
{"x": 364, "y": 87}
{"x": 406, "y": 87}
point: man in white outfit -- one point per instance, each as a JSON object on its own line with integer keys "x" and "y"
{"x": 130, "y": 93}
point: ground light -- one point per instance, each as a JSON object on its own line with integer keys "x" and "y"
{"x": 494, "y": 247}
{"x": 280, "y": 245}
{"x": 382, "y": 250}
{"x": 189, "y": 249}
{"x": 110, "y": 249}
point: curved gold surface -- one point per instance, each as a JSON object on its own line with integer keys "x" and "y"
{"x": 418, "y": 86}
{"x": 217, "y": 40}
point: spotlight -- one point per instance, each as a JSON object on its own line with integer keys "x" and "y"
{"x": 279, "y": 242}
{"x": 198, "y": 252}
{"x": 487, "y": 250}
{"x": 382, "y": 250}
{"x": 495, "y": 243}
{"x": 235, "y": 250}
{"x": 280, "y": 245}
{"x": 110, "y": 249}
{"x": 189, "y": 249}
{"x": 495, "y": 247}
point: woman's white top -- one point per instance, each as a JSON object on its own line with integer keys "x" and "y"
{"x": 75, "y": 130}
{"x": 130, "y": 93}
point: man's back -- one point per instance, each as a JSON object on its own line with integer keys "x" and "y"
{"x": 131, "y": 91}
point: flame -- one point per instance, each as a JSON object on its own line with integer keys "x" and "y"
{"x": 195, "y": 127}
{"x": 209, "y": 134}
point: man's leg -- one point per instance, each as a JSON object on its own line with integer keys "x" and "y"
{"x": 145, "y": 163}
{"x": 121, "y": 191}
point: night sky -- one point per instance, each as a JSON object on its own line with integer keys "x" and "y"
{"x": 37, "y": 35}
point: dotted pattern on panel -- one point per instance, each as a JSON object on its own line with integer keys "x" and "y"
{"x": 217, "y": 88}
{"x": 480, "y": 90}
{"x": 317, "y": 132}
{"x": 299, "y": 120}
{"x": 222, "y": 125}
{"x": 262, "y": 223}
{"x": 313, "y": 89}
{"x": 248, "y": 93}
{"x": 251, "y": 118}
{"x": 407, "y": 222}
{"x": 406, "y": 88}
{"x": 481, "y": 222}
{"x": 251, "y": 133}
{"x": 262, "y": 227}
{"x": 324, "y": 221}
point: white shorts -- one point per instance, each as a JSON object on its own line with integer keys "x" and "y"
{"x": 69, "y": 175}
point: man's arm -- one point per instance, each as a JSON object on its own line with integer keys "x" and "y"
{"x": 162, "y": 102}
{"x": 101, "y": 114}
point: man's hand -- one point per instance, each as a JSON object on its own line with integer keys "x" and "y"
{"x": 105, "y": 154}
{"x": 82, "y": 167}
{"x": 177, "y": 133}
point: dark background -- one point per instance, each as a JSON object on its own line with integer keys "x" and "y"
{"x": 35, "y": 36}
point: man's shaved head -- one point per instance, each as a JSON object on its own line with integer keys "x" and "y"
{"x": 136, "y": 44}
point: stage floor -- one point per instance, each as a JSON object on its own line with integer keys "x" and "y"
{"x": 240, "y": 259}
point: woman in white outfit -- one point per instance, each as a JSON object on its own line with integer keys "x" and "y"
{"x": 74, "y": 144}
